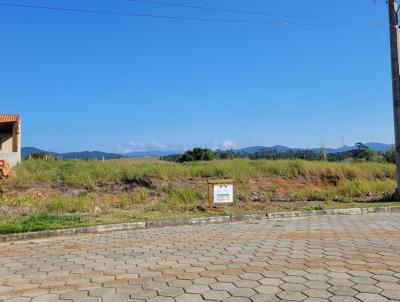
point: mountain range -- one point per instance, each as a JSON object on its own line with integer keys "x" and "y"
{"x": 26, "y": 151}
{"x": 374, "y": 146}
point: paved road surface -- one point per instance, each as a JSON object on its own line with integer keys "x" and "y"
{"x": 331, "y": 258}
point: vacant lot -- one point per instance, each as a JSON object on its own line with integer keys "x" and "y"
{"x": 56, "y": 194}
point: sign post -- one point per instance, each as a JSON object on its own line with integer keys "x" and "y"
{"x": 220, "y": 192}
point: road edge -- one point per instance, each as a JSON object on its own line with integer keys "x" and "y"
{"x": 191, "y": 221}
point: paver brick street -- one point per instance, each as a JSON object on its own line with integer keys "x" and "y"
{"x": 327, "y": 258}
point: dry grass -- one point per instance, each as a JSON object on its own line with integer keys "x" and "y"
{"x": 136, "y": 189}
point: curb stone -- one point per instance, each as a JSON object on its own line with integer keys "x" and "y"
{"x": 192, "y": 221}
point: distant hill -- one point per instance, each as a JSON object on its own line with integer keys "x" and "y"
{"x": 151, "y": 153}
{"x": 26, "y": 151}
{"x": 374, "y": 146}
{"x": 380, "y": 147}
{"x": 255, "y": 149}
{"x": 90, "y": 155}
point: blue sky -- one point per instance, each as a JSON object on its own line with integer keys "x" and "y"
{"x": 123, "y": 83}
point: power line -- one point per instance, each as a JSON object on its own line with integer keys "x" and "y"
{"x": 166, "y": 17}
{"x": 231, "y": 10}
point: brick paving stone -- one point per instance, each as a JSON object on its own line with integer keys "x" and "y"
{"x": 222, "y": 286}
{"x": 271, "y": 281}
{"x": 371, "y": 297}
{"x": 74, "y": 295}
{"x": 227, "y": 278}
{"x": 197, "y": 289}
{"x": 180, "y": 283}
{"x": 317, "y": 285}
{"x": 236, "y": 299}
{"x": 291, "y": 296}
{"x": 215, "y": 295}
{"x": 363, "y": 288}
{"x": 317, "y": 293}
{"x": 46, "y": 298}
{"x": 391, "y": 294}
{"x": 314, "y": 300}
{"x": 251, "y": 276}
{"x": 385, "y": 278}
{"x": 340, "y": 282}
{"x": 247, "y": 283}
{"x": 364, "y": 280}
{"x": 292, "y": 287}
{"x": 242, "y": 292}
{"x": 343, "y": 299}
{"x": 265, "y": 298}
{"x": 144, "y": 294}
{"x": 267, "y": 289}
{"x": 189, "y": 297}
{"x": 170, "y": 291}
{"x": 342, "y": 291}
{"x": 388, "y": 285}
{"x": 205, "y": 280}
{"x": 323, "y": 258}
{"x": 161, "y": 299}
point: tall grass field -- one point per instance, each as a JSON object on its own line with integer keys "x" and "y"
{"x": 56, "y": 193}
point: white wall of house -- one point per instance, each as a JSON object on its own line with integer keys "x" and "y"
{"x": 12, "y": 158}
{"x": 7, "y": 147}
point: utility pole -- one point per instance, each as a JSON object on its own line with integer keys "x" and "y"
{"x": 395, "y": 50}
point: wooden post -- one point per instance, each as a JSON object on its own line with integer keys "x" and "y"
{"x": 210, "y": 196}
{"x": 15, "y": 137}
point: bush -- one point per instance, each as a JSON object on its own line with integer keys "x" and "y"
{"x": 390, "y": 156}
{"x": 197, "y": 154}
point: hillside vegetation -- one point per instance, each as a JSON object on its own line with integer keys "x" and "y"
{"x": 55, "y": 193}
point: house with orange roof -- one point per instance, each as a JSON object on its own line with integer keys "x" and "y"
{"x": 10, "y": 138}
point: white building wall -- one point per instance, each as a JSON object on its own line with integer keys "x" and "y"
{"x": 12, "y": 158}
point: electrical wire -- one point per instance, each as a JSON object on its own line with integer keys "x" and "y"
{"x": 230, "y": 10}
{"x": 167, "y": 17}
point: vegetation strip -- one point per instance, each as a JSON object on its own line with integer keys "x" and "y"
{"x": 193, "y": 221}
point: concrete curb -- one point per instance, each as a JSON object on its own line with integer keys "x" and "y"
{"x": 192, "y": 221}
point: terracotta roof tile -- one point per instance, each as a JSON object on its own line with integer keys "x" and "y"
{"x": 9, "y": 118}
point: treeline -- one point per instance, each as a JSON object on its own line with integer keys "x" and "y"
{"x": 360, "y": 153}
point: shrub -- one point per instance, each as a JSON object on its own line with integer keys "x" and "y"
{"x": 197, "y": 154}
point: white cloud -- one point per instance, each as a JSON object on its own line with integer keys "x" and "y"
{"x": 223, "y": 145}
{"x": 135, "y": 146}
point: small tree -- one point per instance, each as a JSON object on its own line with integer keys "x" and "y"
{"x": 390, "y": 156}
{"x": 363, "y": 152}
{"x": 197, "y": 154}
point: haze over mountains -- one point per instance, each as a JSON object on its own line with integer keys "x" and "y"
{"x": 26, "y": 151}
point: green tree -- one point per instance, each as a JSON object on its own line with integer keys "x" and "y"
{"x": 390, "y": 156}
{"x": 197, "y": 154}
{"x": 363, "y": 152}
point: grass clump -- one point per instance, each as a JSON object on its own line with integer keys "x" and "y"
{"x": 87, "y": 174}
{"x": 178, "y": 200}
{"x": 40, "y": 222}
{"x": 139, "y": 198}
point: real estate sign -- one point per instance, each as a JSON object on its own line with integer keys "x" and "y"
{"x": 223, "y": 193}
{"x": 220, "y": 192}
